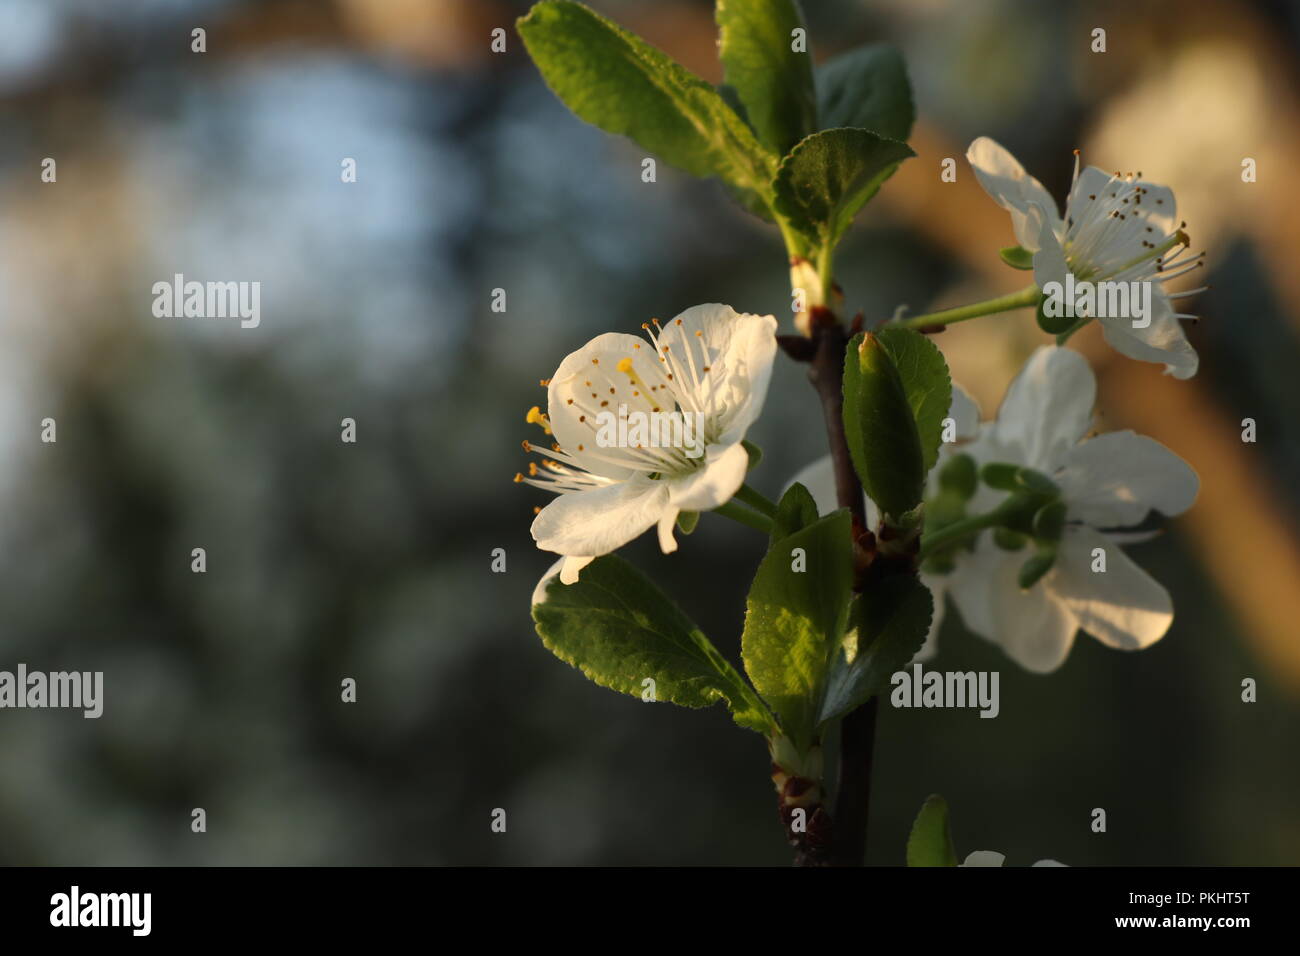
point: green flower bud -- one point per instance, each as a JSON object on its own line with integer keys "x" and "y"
{"x": 1034, "y": 568}
{"x": 1009, "y": 540}
{"x": 959, "y": 476}
{"x": 1049, "y": 521}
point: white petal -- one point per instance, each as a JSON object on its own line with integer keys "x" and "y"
{"x": 1091, "y": 182}
{"x": 1034, "y": 627}
{"x": 1051, "y": 863}
{"x": 714, "y": 483}
{"x": 1123, "y": 607}
{"x": 1049, "y": 261}
{"x": 984, "y": 858}
{"x": 1011, "y": 187}
{"x": 971, "y": 585}
{"x": 1162, "y": 341}
{"x": 667, "y": 543}
{"x": 572, "y": 564}
{"x": 1114, "y": 480}
{"x": 965, "y": 413}
{"x": 570, "y": 399}
{"x": 739, "y": 349}
{"x": 601, "y": 520}
{"x": 1048, "y": 407}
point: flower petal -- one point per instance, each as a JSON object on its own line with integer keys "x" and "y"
{"x": 712, "y": 485}
{"x": 1048, "y": 407}
{"x": 738, "y": 349}
{"x": 1114, "y": 480}
{"x": 1086, "y": 192}
{"x": 1034, "y": 627}
{"x": 1049, "y": 261}
{"x": 571, "y": 565}
{"x": 965, "y": 413}
{"x": 601, "y": 520}
{"x": 984, "y": 858}
{"x": 1123, "y": 607}
{"x": 1012, "y": 188}
{"x": 587, "y": 378}
{"x": 667, "y": 543}
{"x": 1162, "y": 341}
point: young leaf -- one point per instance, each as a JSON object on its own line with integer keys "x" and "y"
{"x": 617, "y": 81}
{"x": 881, "y": 428}
{"x": 794, "y": 512}
{"x": 794, "y": 618}
{"x": 830, "y": 175}
{"x": 930, "y": 843}
{"x": 867, "y": 88}
{"x": 771, "y": 80}
{"x": 1017, "y": 257}
{"x": 615, "y": 626}
{"x": 889, "y": 623}
{"x": 925, "y": 377}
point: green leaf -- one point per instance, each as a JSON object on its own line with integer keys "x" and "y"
{"x": 1017, "y": 257}
{"x": 794, "y": 512}
{"x": 930, "y": 843}
{"x": 830, "y": 175}
{"x": 794, "y": 618}
{"x": 774, "y": 83}
{"x": 889, "y": 624}
{"x": 925, "y": 377}
{"x": 687, "y": 520}
{"x": 615, "y": 626}
{"x": 881, "y": 428}
{"x": 614, "y": 80}
{"x": 867, "y": 88}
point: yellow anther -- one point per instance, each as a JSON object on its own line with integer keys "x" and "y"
{"x": 625, "y": 365}
{"x": 537, "y": 417}
{"x": 518, "y": 477}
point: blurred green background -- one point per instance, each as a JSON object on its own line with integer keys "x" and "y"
{"x": 372, "y": 561}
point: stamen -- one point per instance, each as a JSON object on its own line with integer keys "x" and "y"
{"x": 537, "y": 417}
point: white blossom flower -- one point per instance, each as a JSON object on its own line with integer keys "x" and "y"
{"x": 709, "y": 360}
{"x": 993, "y": 858}
{"x": 819, "y": 479}
{"x": 1109, "y": 482}
{"x": 1116, "y": 228}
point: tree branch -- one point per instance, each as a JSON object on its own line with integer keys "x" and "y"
{"x": 858, "y": 730}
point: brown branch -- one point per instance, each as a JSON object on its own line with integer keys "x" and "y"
{"x": 858, "y": 730}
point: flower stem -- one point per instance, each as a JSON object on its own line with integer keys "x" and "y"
{"x": 1016, "y": 300}
{"x": 957, "y": 531}
{"x": 756, "y": 500}
{"x": 746, "y": 517}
